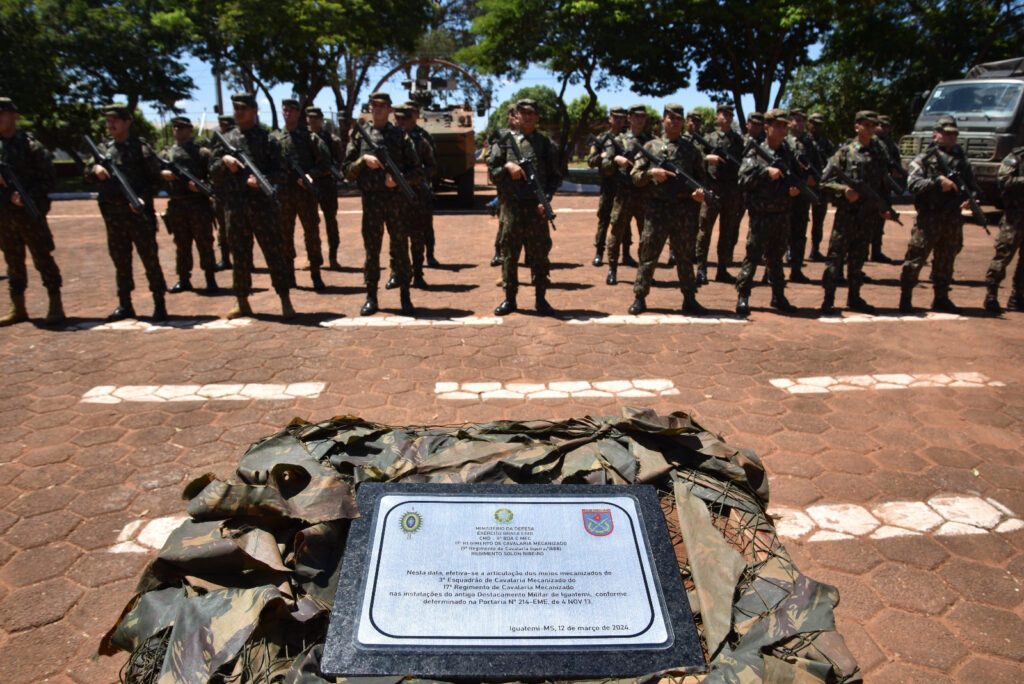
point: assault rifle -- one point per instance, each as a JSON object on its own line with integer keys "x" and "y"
{"x": 686, "y": 179}
{"x": 294, "y": 166}
{"x": 966, "y": 193}
{"x": 720, "y": 150}
{"x": 126, "y": 189}
{"x": 247, "y": 164}
{"x": 181, "y": 172}
{"x": 381, "y": 152}
{"x": 791, "y": 178}
{"x": 12, "y": 180}
{"x": 863, "y": 189}
{"x": 531, "y": 177}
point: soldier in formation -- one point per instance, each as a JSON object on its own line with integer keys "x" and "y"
{"x": 430, "y": 172}
{"x": 723, "y": 168}
{"x": 512, "y": 120}
{"x": 620, "y": 155}
{"x": 826, "y": 148}
{"x": 225, "y": 124}
{"x": 805, "y": 153}
{"x": 422, "y": 208}
{"x": 325, "y": 182}
{"x": 1011, "y": 235}
{"x": 189, "y": 215}
{"x": 895, "y": 170}
{"x": 26, "y": 163}
{"x": 597, "y": 153}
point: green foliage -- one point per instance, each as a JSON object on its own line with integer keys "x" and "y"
{"x": 838, "y": 90}
{"x": 707, "y": 116}
{"x": 578, "y": 112}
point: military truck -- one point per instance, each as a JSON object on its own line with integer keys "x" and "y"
{"x": 988, "y": 104}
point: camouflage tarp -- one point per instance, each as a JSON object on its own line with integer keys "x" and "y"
{"x": 243, "y": 590}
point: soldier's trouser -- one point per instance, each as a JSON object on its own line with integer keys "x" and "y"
{"x": 190, "y": 220}
{"x": 628, "y": 205}
{"x": 222, "y": 227}
{"x": 942, "y": 232}
{"x": 390, "y": 208}
{"x": 524, "y": 225}
{"x": 421, "y": 214}
{"x": 299, "y": 202}
{"x": 876, "y": 229}
{"x": 798, "y": 219}
{"x": 729, "y": 216}
{"x": 18, "y": 232}
{"x": 818, "y": 213}
{"x": 251, "y": 217}
{"x": 678, "y": 223}
{"x": 766, "y": 239}
{"x": 124, "y": 229}
{"x": 604, "y": 211}
{"x": 848, "y": 243}
{"x": 327, "y": 197}
{"x": 1008, "y": 242}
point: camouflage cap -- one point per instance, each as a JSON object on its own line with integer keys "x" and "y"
{"x": 243, "y": 100}
{"x": 527, "y": 103}
{"x": 226, "y": 120}
{"x": 617, "y": 111}
{"x": 637, "y": 109}
{"x": 797, "y": 111}
{"x": 885, "y": 119}
{"x": 724, "y": 109}
{"x": 118, "y": 109}
{"x": 290, "y": 102}
{"x": 380, "y": 97}
{"x": 756, "y": 117}
{"x": 816, "y": 117}
{"x": 674, "y": 108}
{"x": 773, "y": 115}
{"x": 411, "y": 105}
{"x": 314, "y": 111}
{"x": 7, "y": 105}
{"x": 402, "y": 112}
{"x": 866, "y": 115}
{"x": 946, "y": 124}
{"x": 181, "y": 122}
{"x": 695, "y": 116}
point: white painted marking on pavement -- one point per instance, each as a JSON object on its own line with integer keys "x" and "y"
{"x": 173, "y": 324}
{"x": 654, "y": 319}
{"x": 152, "y": 536}
{"x": 882, "y": 381}
{"x": 523, "y": 391}
{"x": 113, "y": 394}
{"x": 939, "y": 515}
{"x": 881, "y": 318}
{"x": 408, "y": 322}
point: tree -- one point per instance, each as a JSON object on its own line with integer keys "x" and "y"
{"x": 547, "y": 102}
{"x": 838, "y": 90}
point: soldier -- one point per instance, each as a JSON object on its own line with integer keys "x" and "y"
{"x": 382, "y": 201}
{"x": 189, "y": 215}
{"x": 305, "y": 156}
{"x": 25, "y": 159}
{"x": 896, "y": 170}
{"x": 672, "y": 210}
{"x": 620, "y": 155}
{"x": 225, "y": 123}
{"x": 939, "y": 223}
{"x": 429, "y": 240}
{"x": 512, "y": 119}
{"x": 1011, "y": 234}
{"x": 755, "y": 128}
{"x": 769, "y": 200}
{"x": 126, "y": 227}
{"x": 326, "y": 188}
{"x": 423, "y": 208}
{"x": 728, "y": 148}
{"x": 524, "y": 213}
{"x": 816, "y": 124}
{"x": 806, "y": 154}
{"x": 596, "y": 155}
{"x": 249, "y": 212}
{"x": 864, "y": 160}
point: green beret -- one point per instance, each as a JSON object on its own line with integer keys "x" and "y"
{"x": 618, "y": 111}
{"x": 182, "y": 121}
{"x": 290, "y": 102}
{"x": 674, "y": 108}
{"x": 314, "y": 111}
{"x": 528, "y": 103}
{"x": 244, "y": 100}
{"x": 866, "y": 115}
{"x": 226, "y": 121}
{"x": 756, "y": 117}
{"x": 797, "y": 111}
{"x": 118, "y": 109}
{"x": 816, "y": 117}
{"x": 7, "y": 105}
{"x": 638, "y": 109}
{"x": 946, "y": 124}
{"x": 380, "y": 97}
{"x": 773, "y": 115}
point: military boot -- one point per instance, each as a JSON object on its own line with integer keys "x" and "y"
{"x": 287, "y": 311}
{"x": 1015, "y": 302}
{"x": 541, "y": 303}
{"x": 507, "y": 306}
{"x": 796, "y": 275}
{"x": 332, "y": 262}
{"x": 723, "y": 276}
{"x": 318, "y": 282}
{"x": 638, "y": 306}
{"x": 431, "y": 261}
{"x": 780, "y": 302}
{"x": 241, "y": 309}
{"x": 828, "y": 304}
{"x": 417, "y": 277}
{"x": 906, "y": 305}
{"x": 496, "y": 259}
{"x": 211, "y": 282}
{"x": 992, "y": 304}
{"x": 743, "y": 305}
{"x": 55, "y": 314}
{"x": 392, "y": 282}
{"x": 692, "y": 306}
{"x": 124, "y": 308}
{"x": 370, "y": 307}
{"x": 18, "y": 312}
{"x": 627, "y": 260}
{"x": 183, "y": 285}
{"x": 816, "y": 254}
{"x": 598, "y": 258}
{"x": 613, "y": 274}
{"x": 702, "y": 275}
{"x": 671, "y": 258}
{"x": 159, "y": 307}
{"x": 854, "y": 302}
{"x": 943, "y": 304}
{"x": 406, "y": 301}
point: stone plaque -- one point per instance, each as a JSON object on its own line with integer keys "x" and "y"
{"x": 509, "y": 581}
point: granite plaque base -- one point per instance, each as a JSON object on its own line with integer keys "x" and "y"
{"x": 509, "y": 581}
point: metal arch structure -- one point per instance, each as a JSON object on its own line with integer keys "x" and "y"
{"x": 441, "y": 62}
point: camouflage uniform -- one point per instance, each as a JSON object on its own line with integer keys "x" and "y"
{"x": 124, "y": 227}
{"x": 381, "y": 204}
{"x": 804, "y": 148}
{"x": 429, "y": 240}
{"x": 251, "y": 214}
{"x": 892, "y": 150}
{"x": 724, "y": 181}
{"x": 189, "y": 214}
{"x": 33, "y": 165}
{"x": 630, "y": 199}
{"x": 1011, "y": 231}
{"x": 596, "y": 156}
{"x": 421, "y": 228}
{"x": 327, "y": 192}
{"x": 670, "y": 212}
{"x": 306, "y": 153}
{"x": 521, "y": 220}
{"x": 826, "y": 148}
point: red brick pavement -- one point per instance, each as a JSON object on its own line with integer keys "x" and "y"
{"x": 922, "y": 608}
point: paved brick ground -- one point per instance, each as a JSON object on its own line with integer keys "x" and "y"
{"x": 926, "y": 607}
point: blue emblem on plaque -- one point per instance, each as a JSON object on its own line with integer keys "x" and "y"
{"x": 411, "y": 522}
{"x": 598, "y": 522}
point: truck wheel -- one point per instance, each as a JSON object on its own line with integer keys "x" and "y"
{"x": 464, "y": 183}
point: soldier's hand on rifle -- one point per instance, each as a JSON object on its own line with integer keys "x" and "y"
{"x": 16, "y": 198}
{"x": 948, "y": 185}
{"x": 698, "y": 195}
{"x": 192, "y": 186}
{"x": 252, "y": 182}
{"x": 774, "y": 173}
{"x": 965, "y": 205}
{"x": 233, "y": 164}
{"x": 168, "y": 175}
{"x": 624, "y": 162}
{"x": 887, "y": 214}
{"x": 390, "y": 181}
{"x": 515, "y": 170}
{"x": 307, "y": 179}
{"x": 851, "y": 194}
{"x": 793, "y": 191}
{"x": 3, "y": 181}
{"x": 540, "y": 209}
{"x": 372, "y": 161}
{"x": 101, "y": 172}
{"x": 714, "y": 159}
{"x": 811, "y": 182}
{"x": 661, "y": 175}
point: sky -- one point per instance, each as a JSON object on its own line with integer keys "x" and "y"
{"x": 204, "y": 97}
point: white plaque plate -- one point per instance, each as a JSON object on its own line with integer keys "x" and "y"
{"x": 494, "y": 571}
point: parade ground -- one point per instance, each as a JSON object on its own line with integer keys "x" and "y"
{"x": 893, "y": 443}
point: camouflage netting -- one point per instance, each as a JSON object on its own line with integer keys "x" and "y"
{"x": 243, "y": 590}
